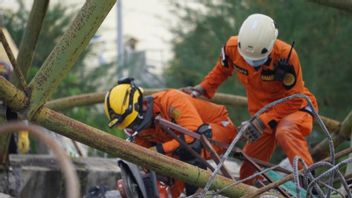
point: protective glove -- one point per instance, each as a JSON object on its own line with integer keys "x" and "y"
{"x": 23, "y": 142}
{"x": 185, "y": 155}
{"x": 252, "y": 129}
{"x": 195, "y": 91}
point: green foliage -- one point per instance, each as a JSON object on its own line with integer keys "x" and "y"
{"x": 83, "y": 78}
{"x": 321, "y": 34}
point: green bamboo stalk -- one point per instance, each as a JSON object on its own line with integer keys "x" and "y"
{"x": 31, "y": 34}
{"x": 67, "y": 51}
{"x": 17, "y": 100}
{"x": 220, "y": 98}
{"x": 103, "y": 141}
{"x": 18, "y": 72}
{"x": 339, "y": 4}
{"x": 76, "y": 101}
{"x": 136, "y": 154}
{"x": 13, "y": 96}
{"x": 4, "y": 139}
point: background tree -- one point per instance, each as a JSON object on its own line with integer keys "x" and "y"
{"x": 321, "y": 35}
{"x": 86, "y": 75}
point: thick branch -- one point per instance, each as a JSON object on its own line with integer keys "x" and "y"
{"x": 339, "y": 4}
{"x": 30, "y": 36}
{"x": 67, "y": 51}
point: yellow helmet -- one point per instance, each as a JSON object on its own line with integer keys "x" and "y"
{"x": 123, "y": 104}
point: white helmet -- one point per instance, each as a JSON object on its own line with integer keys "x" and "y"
{"x": 256, "y": 37}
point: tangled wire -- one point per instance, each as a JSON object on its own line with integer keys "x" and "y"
{"x": 313, "y": 184}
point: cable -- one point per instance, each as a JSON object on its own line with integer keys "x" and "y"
{"x": 332, "y": 170}
{"x": 307, "y": 174}
{"x": 71, "y": 180}
{"x": 223, "y": 158}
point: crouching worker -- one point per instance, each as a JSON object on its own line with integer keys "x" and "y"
{"x": 127, "y": 109}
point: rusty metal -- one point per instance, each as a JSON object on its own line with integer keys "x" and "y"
{"x": 202, "y": 138}
{"x": 67, "y": 168}
{"x": 214, "y": 156}
{"x": 187, "y": 147}
{"x": 265, "y": 175}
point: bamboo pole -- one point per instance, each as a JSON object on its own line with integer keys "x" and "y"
{"x": 103, "y": 141}
{"x": 339, "y": 4}
{"x": 67, "y": 51}
{"x": 4, "y": 139}
{"x": 31, "y": 34}
{"x": 133, "y": 153}
{"x": 18, "y": 100}
{"x": 18, "y": 72}
{"x": 220, "y": 98}
{"x": 76, "y": 101}
{"x": 13, "y": 96}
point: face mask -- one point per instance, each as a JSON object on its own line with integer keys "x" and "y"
{"x": 256, "y": 63}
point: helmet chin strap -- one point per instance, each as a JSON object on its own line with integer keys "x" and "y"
{"x": 146, "y": 118}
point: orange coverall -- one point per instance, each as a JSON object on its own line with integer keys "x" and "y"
{"x": 190, "y": 113}
{"x": 261, "y": 88}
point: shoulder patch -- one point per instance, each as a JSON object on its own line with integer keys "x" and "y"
{"x": 289, "y": 80}
{"x": 241, "y": 70}
{"x": 174, "y": 113}
{"x": 267, "y": 75}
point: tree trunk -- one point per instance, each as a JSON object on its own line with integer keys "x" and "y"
{"x": 339, "y": 4}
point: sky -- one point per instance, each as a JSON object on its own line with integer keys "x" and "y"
{"x": 147, "y": 21}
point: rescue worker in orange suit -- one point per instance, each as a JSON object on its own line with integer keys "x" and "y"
{"x": 258, "y": 59}
{"x": 126, "y": 108}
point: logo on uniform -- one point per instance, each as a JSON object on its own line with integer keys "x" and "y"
{"x": 289, "y": 80}
{"x": 267, "y": 75}
{"x": 174, "y": 113}
{"x": 241, "y": 70}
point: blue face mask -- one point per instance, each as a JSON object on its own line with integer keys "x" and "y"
{"x": 256, "y": 63}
